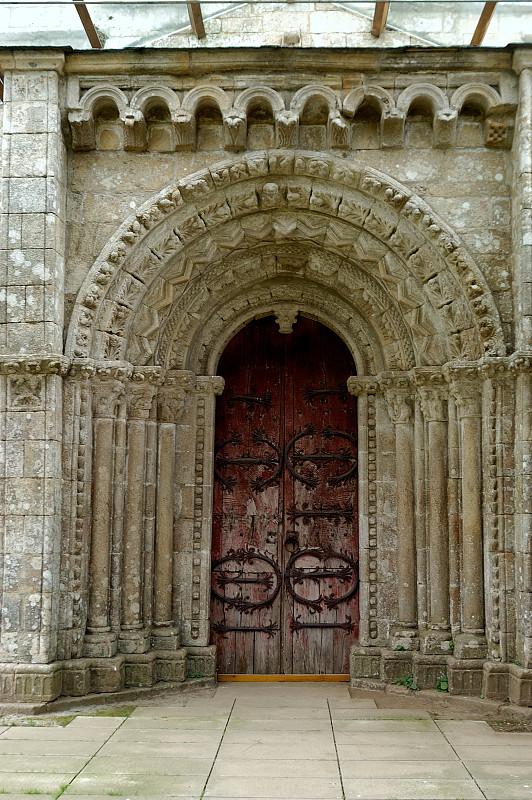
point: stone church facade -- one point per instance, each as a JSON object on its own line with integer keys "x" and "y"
{"x": 154, "y": 204}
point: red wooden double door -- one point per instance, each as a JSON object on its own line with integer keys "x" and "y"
{"x": 285, "y": 538}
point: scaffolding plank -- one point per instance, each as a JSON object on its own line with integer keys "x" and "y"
{"x": 483, "y": 23}
{"x": 196, "y": 19}
{"x": 379, "y": 18}
{"x": 88, "y": 25}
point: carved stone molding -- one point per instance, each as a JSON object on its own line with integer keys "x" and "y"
{"x": 286, "y": 318}
{"x": 468, "y": 397}
{"x": 34, "y": 364}
{"x": 366, "y": 385}
{"x": 434, "y": 402}
{"x": 139, "y": 400}
{"x": 209, "y": 385}
{"x": 399, "y": 392}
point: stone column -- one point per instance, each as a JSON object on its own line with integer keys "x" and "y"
{"x": 398, "y": 395}
{"x": 434, "y": 401}
{"x": 171, "y": 403}
{"x": 133, "y": 638}
{"x": 100, "y": 641}
{"x": 523, "y": 495}
{"x": 32, "y": 228}
{"x": 467, "y": 392}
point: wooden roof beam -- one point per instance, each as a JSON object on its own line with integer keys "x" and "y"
{"x": 88, "y": 25}
{"x": 196, "y": 19}
{"x": 483, "y": 23}
{"x": 379, "y": 18}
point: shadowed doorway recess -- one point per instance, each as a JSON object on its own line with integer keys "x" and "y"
{"x": 285, "y": 533}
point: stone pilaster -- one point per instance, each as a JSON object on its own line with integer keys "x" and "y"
{"x": 433, "y": 393}
{"x": 197, "y": 556}
{"x": 171, "y": 400}
{"x": 100, "y": 640}
{"x": 466, "y": 389}
{"x": 32, "y": 226}
{"x": 398, "y": 394}
{"x": 366, "y": 390}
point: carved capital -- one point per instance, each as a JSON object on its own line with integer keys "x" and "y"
{"x": 468, "y": 397}
{"x": 139, "y": 400}
{"x": 434, "y": 401}
{"x": 172, "y": 397}
{"x": 358, "y": 386}
{"x": 210, "y": 384}
{"x": 82, "y": 368}
{"x": 399, "y": 405}
{"x": 106, "y": 394}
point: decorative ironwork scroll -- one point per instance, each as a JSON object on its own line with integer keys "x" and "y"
{"x": 310, "y": 393}
{"x": 343, "y": 457}
{"x": 273, "y": 461}
{"x": 295, "y": 576}
{"x": 269, "y": 582}
{"x": 222, "y": 629}
{"x": 295, "y": 625}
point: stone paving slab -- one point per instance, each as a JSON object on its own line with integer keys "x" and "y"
{"x": 278, "y": 750}
{"x": 496, "y": 770}
{"x": 47, "y": 747}
{"x": 398, "y": 752}
{"x": 440, "y": 770}
{"x": 312, "y": 788}
{"x": 40, "y": 763}
{"x": 386, "y": 789}
{"x": 110, "y": 765}
{"x": 158, "y": 749}
{"x": 34, "y": 782}
{"x": 166, "y": 785}
{"x": 281, "y": 768}
{"x": 510, "y": 752}
{"x": 506, "y": 790}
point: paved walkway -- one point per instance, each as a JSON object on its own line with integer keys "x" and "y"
{"x": 293, "y": 741}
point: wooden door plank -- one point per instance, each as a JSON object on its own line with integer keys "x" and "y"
{"x": 379, "y": 18}
{"x": 196, "y": 19}
{"x": 483, "y": 23}
{"x": 88, "y": 25}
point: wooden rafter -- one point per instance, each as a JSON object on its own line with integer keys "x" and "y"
{"x": 379, "y": 18}
{"x": 483, "y": 23}
{"x": 88, "y": 26}
{"x": 196, "y": 19}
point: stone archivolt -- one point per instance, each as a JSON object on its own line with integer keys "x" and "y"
{"x": 178, "y": 243}
{"x": 178, "y": 114}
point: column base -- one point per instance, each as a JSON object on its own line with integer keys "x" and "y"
{"x": 100, "y": 645}
{"x": 134, "y": 642}
{"x": 436, "y": 642}
{"x": 470, "y": 645}
{"x": 165, "y": 639}
{"x": 405, "y": 638}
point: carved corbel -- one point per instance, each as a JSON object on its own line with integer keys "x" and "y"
{"x": 135, "y": 130}
{"x": 337, "y": 130}
{"x": 392, "y": 128}
{"x": 82, "y": 128}
{"x": 185, "y": 129}
{"x": 445, "y": 127}
{"x": 499, "y": 131}
{"x": 235, "y": 129}
{"x": 286, "y": 128}
{"x": 466, "y": 387}
{"x": 286, "y": 318}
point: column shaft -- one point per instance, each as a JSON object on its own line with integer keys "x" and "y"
{"x": 473, "y": 584}
{"x": 406, "y": 528}
{"x": 164, "y": 541}
{"x": 438, "y": 531}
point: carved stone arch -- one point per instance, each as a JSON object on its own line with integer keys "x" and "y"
{"x": 95, "y": 96}
{"x": 142, "y": 98}
{"x": 200, "y": 94}
{"x": 417, "y": 91}
{"x": 343, "y": 289}
{"x": 304, "y": 94}
{"x": 486, "y": 96}
{"x": 265, "y": 93}
{"x": 356, "y": 97}
{"x": 208, "y": 214}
